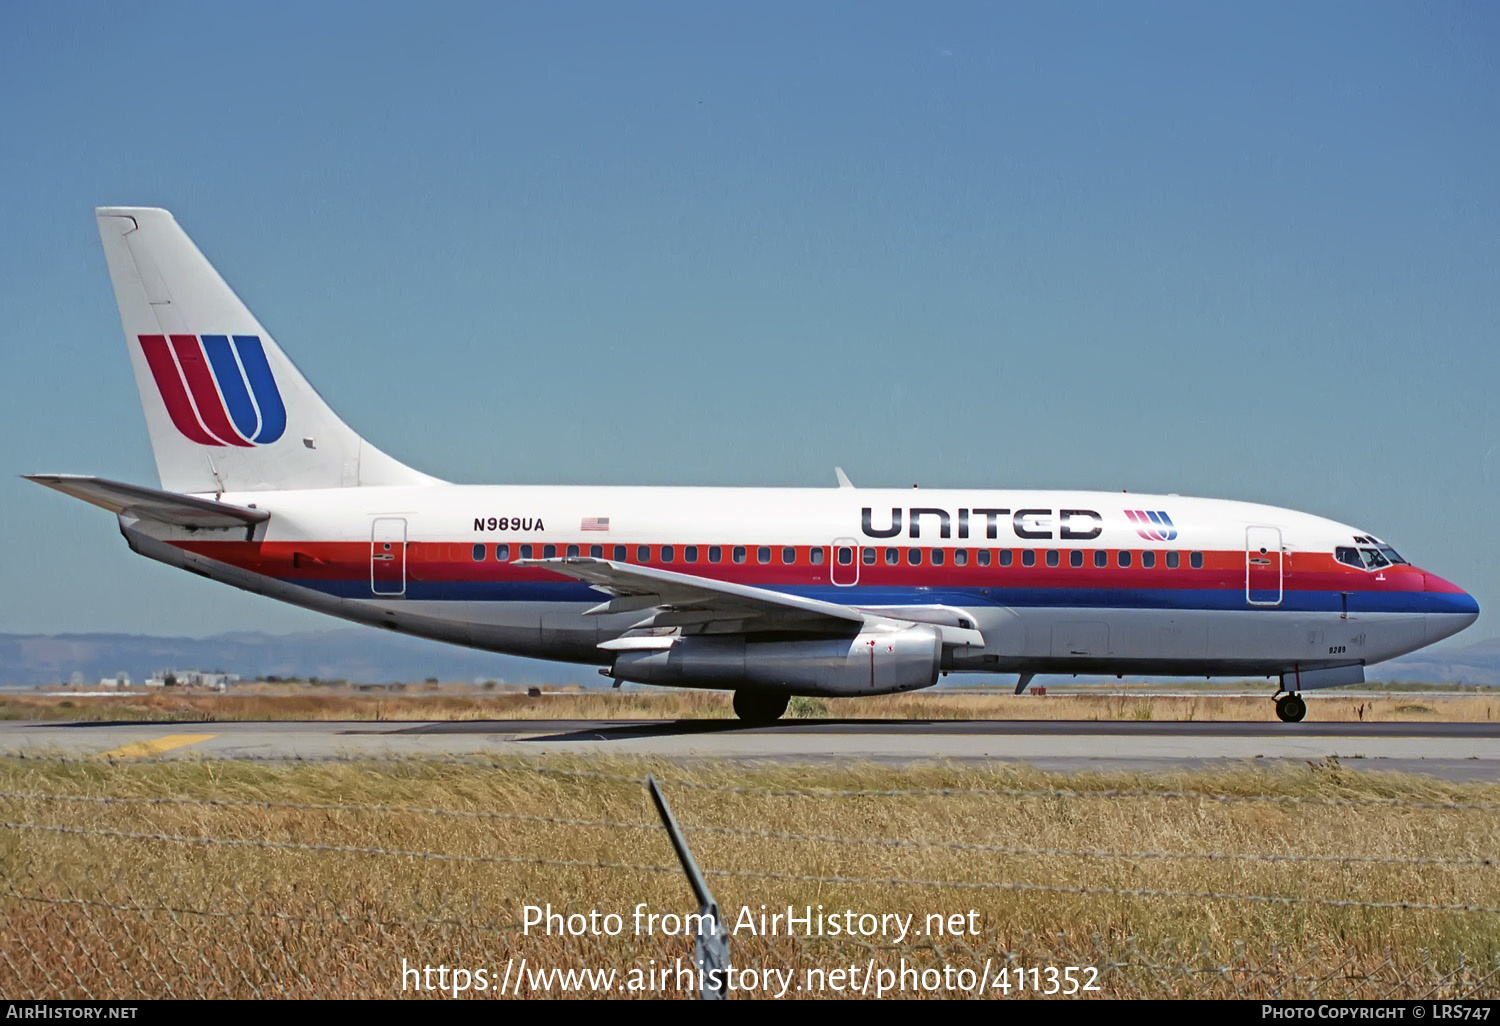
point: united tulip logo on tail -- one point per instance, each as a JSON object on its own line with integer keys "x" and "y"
{"x": 218, "y": 390}
{"x": 1152, "y": 524}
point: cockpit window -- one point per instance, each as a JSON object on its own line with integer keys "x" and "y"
{"x": 1372, "y": 554}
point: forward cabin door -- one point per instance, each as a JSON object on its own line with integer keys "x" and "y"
{"x": 388, "y": 556}
{"x": 1263, "y": 566}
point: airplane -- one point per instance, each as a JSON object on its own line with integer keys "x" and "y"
{"x": 767, "y": 592}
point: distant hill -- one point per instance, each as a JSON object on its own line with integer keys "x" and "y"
{"x": 360, "y": 654}
{"x": 366, "y": 655}
{"x": 1447, "y": 662}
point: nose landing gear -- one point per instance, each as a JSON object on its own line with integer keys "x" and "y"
{"x": 1291, "y": 708}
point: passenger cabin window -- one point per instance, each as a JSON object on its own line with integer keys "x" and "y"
{"x": 1195, "y": 560}
{"x": 788, "y": 555}
{"x": 1028, "y": 557}
{"x": 739, "y": 553}
{"x": 763, "y": 554}
{"x": 984, "y": 557}
{"x": 549, "y": 551}
{"x": 1053, "y": 558}
{"x": 525, "y": 551}
{"x": 1006, "y": 557}
{"x": 643, "y": 553}
{"x": 1101, "y": 558}
{"x": 620, "y": 556}
{"x": 1124, "y": 557}
{"x": 815, "y": 555}
{"x": 597, "y": 551}
{"x": 937, "y": 557}
{"x": 502, "y": 553}
{"x": 690, "y": 553}
{"x": 960, "y": 557}
{"x": 1173, "y": 558}
{"x": 1148, "y": 560}
{"x": 867, "y": 556}
{"x": 845, "y": 554}
{"x": 914, "y": 557}
{"x": 892, "y": 557}
{"x": 1075, "y": 558}
{"x": 715, "y": 554}
{"x": 666, "y": 553}
{"x": 479, "y": 553}
{"x": 572, "y": 550}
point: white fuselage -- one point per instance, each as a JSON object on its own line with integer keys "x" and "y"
{"x": 1052, "y": 581}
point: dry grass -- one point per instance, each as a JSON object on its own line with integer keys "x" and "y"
{"x": 108, "y": 916}
{"x": 339, "y": 703}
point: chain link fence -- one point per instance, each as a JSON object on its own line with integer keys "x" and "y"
{"x": 113, "y": 889}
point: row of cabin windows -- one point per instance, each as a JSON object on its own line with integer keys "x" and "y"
{"x": 844, "y": 555}
{"x": 665, "y": 553}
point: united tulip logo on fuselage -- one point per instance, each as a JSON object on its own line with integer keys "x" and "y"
{"x": 218, "y": 390}
{"x": 1152, "y": 524}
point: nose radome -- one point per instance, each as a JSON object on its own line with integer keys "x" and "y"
{"x": 1448, "y": 598}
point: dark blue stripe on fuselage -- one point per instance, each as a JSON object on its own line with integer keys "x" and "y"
{"x": 1082, "y": 598}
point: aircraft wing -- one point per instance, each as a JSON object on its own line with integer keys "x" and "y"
{"x": 152, "y": 503}
{"x": 684, "y": 600}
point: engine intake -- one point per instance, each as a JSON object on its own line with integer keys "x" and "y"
{"x": 871, "y": 663}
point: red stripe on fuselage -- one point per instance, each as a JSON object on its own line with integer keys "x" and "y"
{"x": 205, "y": 393}
{"x": 173, "y": 394}
{"x": 453, "y": 561}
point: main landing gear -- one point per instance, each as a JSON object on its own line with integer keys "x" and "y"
{"x": 1291, "y": 708}
{"x": 759, "y": 706}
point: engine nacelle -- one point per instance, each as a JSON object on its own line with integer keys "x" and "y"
{"x": 871, "y": 663}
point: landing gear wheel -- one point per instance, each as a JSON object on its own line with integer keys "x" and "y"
{"x": 1291, "y": 708}
{"x": 759, "y": 706}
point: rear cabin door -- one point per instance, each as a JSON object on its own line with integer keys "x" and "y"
{"x": 1263, "y": 566}
{"x": 388, "y": 556}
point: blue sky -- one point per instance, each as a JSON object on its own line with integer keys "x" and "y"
{"x": 1247, "y": 251}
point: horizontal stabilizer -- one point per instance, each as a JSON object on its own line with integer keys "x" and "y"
{"x": 152, "y": 503}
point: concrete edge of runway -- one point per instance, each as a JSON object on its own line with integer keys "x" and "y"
{"x": 1459, "y": 751}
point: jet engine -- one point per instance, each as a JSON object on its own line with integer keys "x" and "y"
{"x": 870, "y": 663}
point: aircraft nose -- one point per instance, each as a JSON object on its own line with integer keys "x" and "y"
{"x": 1455, "y": 608}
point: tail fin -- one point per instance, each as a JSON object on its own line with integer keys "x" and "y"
{"x": 227, "y": 411}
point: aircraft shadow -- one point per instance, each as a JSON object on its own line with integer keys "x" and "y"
{"x": 685, "y": 728}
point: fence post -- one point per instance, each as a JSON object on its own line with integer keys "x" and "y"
{"x": 711, "y": 948}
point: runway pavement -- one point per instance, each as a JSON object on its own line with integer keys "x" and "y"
{"x": 1458, "y": 751}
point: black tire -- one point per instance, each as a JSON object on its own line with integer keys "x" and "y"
{"x": 759, "y": 706}
{"x": 1291, "y": 708}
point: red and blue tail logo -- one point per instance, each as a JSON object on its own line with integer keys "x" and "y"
{"x": 218, "y": 390}
{"x": 1152, "y": 524}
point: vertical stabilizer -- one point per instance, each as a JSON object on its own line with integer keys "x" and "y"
{"x": 226, "y": 409}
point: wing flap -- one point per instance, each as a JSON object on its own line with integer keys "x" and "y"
{"x": 636, "y": 588}
{"x": 152, "y": 503}
{"x": 683, "y": 600}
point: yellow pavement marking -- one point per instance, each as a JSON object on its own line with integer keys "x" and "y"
{"x": 157, "y": 745}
